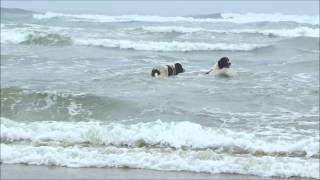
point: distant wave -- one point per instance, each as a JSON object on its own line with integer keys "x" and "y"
{"x": 35, "y": 35}
{"x": 203, "y": 16}
{"x": 32, "y": 34}
{"x": 276, "y": 17}
{"x": 169, "y": 46}
{"x": 293, "y": 32}
{"x": 234, "y": 18}
{"x": 16, "y": 11}
{"x": 56, "y": 39}
{"x": 47, "y": 39}
{"x": 310, "y": 51}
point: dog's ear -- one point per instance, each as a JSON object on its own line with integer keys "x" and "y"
{"x": 224, "y": 62}
{"x": 155, "y": 72}
{"x": 178, "y": 68}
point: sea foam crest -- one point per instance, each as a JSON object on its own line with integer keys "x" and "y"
{"x": 12, "y": 36}
{"x": 56, "y": 36}
{"x": 36, "y": 34}
{"x": 169, "y": 46}
{"x": 234, "y": 18}
{"x": 276, "y": 17}
{"x": 185, "y": 135}
{"x": 167, "y": 160}
{"x": 292, "y": 32}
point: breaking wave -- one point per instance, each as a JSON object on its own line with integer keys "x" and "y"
{"x": 177, "y": 135}
{"x": 293, "y": 32}
{"x": 47, "y": 39}
{"x": 177, "y": 146}
{"x": 166, "y": 160}
{"x": 169, "y": 46}
{"x": 34, "y": 37}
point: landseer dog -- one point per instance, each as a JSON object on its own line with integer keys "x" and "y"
{"x": 167, "y": 70}
{"x": 221, "y": 68}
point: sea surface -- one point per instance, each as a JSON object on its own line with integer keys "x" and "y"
{"x": 77, "y": 91}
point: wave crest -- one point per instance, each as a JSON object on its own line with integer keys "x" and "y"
{"x": 57, "y": 38}
{"x": 34, "y": 36}
{"x": 166, "y": 160}
{"x": 234, "y": 18}
{"x": 181, "y": 135}
{"x": 169, "y": 46}
{"x": 293, "y": 32}
{"x": 47, "y": 39}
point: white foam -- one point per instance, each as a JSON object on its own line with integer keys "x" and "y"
{"x": 277, "y": 17}
{"x": 234, "y": 18}
{"x": 161, "y": 134}
{"x": 304, "y": 78}
{"x": 18, "y": 35}
{"x": 169, "y": 46}
{"x": 293, "y": 32}
{"x": 12, "y": 36}
{"x": 74, "y": 109}
{"x": 159, "y": 159}
{"x": 166, "y": 29}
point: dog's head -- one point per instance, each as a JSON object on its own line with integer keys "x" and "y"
{"x": 224, "y": 63}
{"x": 178, "y": 68}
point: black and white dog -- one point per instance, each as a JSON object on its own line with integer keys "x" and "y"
{"x": 222, "y": 68}
{"x": 167, "y": 70}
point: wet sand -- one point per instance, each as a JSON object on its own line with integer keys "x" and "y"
{"x": 53, "y": 172}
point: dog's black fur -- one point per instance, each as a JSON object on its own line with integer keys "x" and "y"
{"x": 154, "y": 72}
{"x": 224, "y": 63}
{"x": 178, "y": 68}
{"x": 172, "y": 70}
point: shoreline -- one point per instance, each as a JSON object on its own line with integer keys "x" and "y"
{"x": 19, "y": 171}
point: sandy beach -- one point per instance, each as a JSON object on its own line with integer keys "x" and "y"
{"x": 53, "y": 172}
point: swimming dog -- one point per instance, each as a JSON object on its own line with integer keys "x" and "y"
{"x": 222, "y": 67}
{"x": 167, "y": 70}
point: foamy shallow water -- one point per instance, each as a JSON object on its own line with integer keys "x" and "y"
{"x": 77, "y": 92}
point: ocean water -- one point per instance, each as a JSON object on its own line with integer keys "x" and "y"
{"x": 76, "y": 91}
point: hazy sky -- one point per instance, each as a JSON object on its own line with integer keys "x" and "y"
{"x": 169, "y": 8}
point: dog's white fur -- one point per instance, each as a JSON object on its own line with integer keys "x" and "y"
{"x": 164, "y": 72}
{"x": 216, "y": 71}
